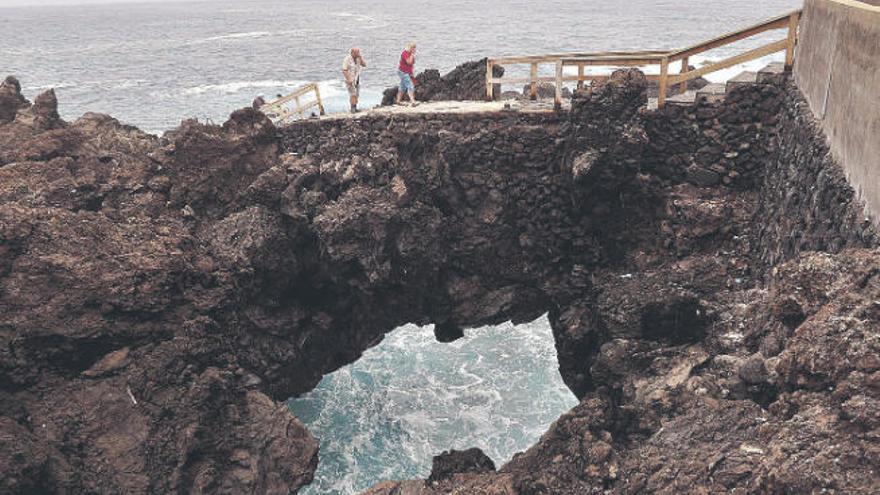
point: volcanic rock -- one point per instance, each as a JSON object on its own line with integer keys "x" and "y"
{"x": 11, "y": 99}
{"x": 466, "y": 82}
{"x": 454, "y": 462}
{"x": 160, "y": 299}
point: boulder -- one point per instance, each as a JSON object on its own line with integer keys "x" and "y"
{"x": 465, "y": 82}
{"x": 11, "y": 99}
{"x": 452, "y": 462}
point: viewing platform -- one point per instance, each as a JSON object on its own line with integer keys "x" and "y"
{"x": 453, "y": 107}
{"x": 672, "y": 87}
{"x": 710, "y": 92}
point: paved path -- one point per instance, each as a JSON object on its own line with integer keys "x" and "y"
{"x": 452, "y": 107}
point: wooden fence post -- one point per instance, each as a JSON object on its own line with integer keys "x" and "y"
{"x": 684, "y": 68}
{"x": 580, "y": 76}
{"x": 664, "y": 76}
{"x": 533, "y": 77}
{"x": 489, "y": 81}
{"x": 318, "y": 97}
{"x": 792, "y": 40}
{"x": 558, "y": 100}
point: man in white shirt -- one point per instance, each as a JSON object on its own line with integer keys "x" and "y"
{"x": 351, "y": 70}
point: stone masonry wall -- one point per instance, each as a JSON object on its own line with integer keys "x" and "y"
{"x": 807, "y": 204}
{"x": 838, "y": 72}
{"x": 716, "y": 142}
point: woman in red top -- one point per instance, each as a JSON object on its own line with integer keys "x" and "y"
{"x": 405, "y": 71}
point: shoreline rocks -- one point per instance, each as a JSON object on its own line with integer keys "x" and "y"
{"x": 161, "y": 298}
{"x": 465, "y": 82}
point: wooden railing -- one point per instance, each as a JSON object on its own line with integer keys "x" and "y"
{"x": 663, "y": 58}
{"x": 561, "y": 60}
{"x": 788, "y": 21}
{"x": 280, "y": 110}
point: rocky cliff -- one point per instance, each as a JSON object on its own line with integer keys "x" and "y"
{"x": 161, "y": 297}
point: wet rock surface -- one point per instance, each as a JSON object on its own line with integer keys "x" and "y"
{"x": 161, "y": 297}
{"x": 455, "y": 462}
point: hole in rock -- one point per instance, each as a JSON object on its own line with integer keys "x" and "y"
{"x": 678, "y": 320}
{"x": 411, "y": 397}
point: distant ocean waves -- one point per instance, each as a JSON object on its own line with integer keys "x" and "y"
{"x": 334, "y": 94}
{"x": 362, "y": 22}
{"x": 266, "y": 88}
{"x": 215, "y": 100}
{"x": 89, "y": 85}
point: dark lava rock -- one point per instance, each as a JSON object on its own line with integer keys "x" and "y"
{"x": 454, "y": 462}
{"x": 11, "y": 99}
{"x": 753, "y": 370}
{"x": 678, "y": 320}
{"x": 160, "y": 299}
{"x": 465, "y": 82}
{"x": 789, "y": 312}
{"x": 700, "y": 176}
{"x": 46, "y": 106}
{"x": 447, "y": 332}
{"x": 545, "y": 90}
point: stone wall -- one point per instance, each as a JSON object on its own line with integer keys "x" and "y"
{"x": 807, "y": 204}
{"x": 838, "y": 70}
{"x": 716, "y": 142}
{"x": 763, "y": 137}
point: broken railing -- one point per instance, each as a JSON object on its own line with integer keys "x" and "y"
{"x": 292, "y": 105}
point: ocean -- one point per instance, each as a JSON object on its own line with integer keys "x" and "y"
{"x": 154, "y": 64}
{"x": 405, "y": 401}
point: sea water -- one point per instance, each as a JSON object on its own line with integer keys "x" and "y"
{"x": 386, "y": 415}
{"x": 154, "y": 64}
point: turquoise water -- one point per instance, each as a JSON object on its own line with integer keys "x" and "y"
{"x": 410, "y": 398}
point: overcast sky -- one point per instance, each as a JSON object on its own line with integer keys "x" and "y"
{"x": 18, "y": 3}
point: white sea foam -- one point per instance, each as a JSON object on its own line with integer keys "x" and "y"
{"x": 330, "y": 89}
{"x": 356, "y": 17}
{"x": 45, "y": 87}
{"x": 277, "y": 85}
{"x": 235, "y": 36}
{"x": 407, "y": 399}
{"x": 111, "y": 84}
{"x": 727, "y": 74}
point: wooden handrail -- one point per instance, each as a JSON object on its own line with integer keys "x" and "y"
{"x": 612, "y": 61}
{"x": 580, "y": 60}
{"x": 789, "y": 21}
{"x": 584, "y": 77}
{"x": 730, "y": 62}
{"x": 663, "y": 58}
{"x": 552, "y": 57}
{"x": 726, "y": 39}
{"x": 278, "y": 111}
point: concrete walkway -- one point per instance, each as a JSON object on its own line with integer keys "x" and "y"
{"x": 453, "y": 107}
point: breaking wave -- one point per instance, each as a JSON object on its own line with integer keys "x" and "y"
{"x": 386, "y": 415}
{"x": 356, "y": 17}
{"x": 235, "y": 36}
{"x": 240, "y": 86}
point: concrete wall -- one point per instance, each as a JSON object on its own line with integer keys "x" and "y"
{"x": 838, "y": 70}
